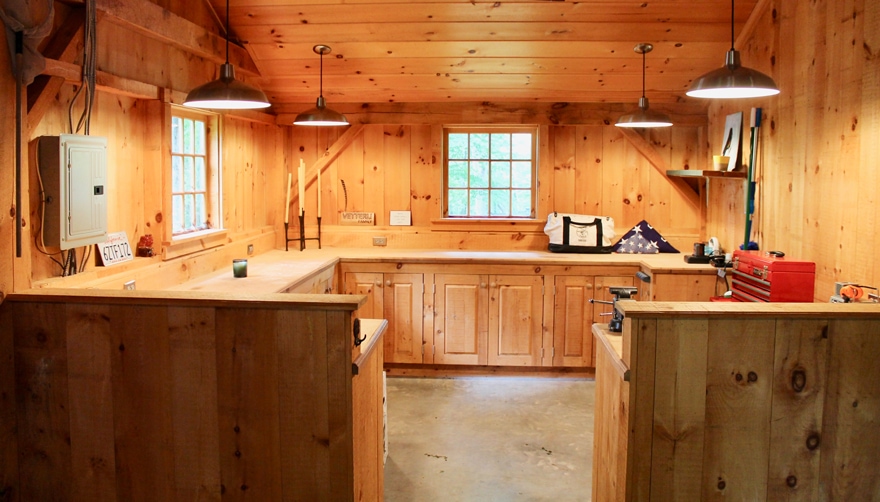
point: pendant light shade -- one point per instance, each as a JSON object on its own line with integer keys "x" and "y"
{"x": 320, "y": 115}
{"x": 226, "y": 93}
{"x": 644, "y": 117}
{"x": 733, "y": 80}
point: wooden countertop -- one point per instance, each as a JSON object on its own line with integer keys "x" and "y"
{"x": 613, "y": 344}
{"x": 277, "y": 270}
{"x": 636, "y": 309}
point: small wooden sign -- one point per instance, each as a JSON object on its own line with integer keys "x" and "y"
{"x": 115, "y": 249}
{"x": 357, "y": 218}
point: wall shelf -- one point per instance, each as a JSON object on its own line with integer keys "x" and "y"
{"x": 699, "y": 180}
{"x": 691, "y": 173}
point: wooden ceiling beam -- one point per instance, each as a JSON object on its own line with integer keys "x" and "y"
{"x": 63, "y": 46}
{"x": 149, "y": 19}
{"x": 688, "y": 114}
{"x": 104, "y": 81}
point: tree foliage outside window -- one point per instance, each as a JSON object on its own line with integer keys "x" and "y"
{"x": 190, "y": 194}
{"x": 490, "y": 173}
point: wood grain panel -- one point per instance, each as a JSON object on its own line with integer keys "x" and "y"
{"x": 350, "y": 170}
{"x": 374, "y": 172}
{"x": 9, "y": 481}
{"x": 194, "y": 403}
{"x": 588, "y": 174}
{"x": 679, "y": 409}
{"x": 90, "y": 386}
{"x": 304, "y": 402}
{"x": 739, "y": 382}
{"x": 642, "y": 364}
{"x": 398, "y": 169}
{"x": 610, "y": 431}
{"x": 248, "y": 402}
{"x": 142, "y": 397}
{"x": 339, "y": 391}
{"x": 563, "y": 169}
{"x": 850, "y": 443}
{"x": 799, "y": 384}
{"x": 426, "y": 169}
{"x": 41, "y": 368}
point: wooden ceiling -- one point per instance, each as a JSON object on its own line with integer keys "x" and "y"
{"x": 411, "y": 51}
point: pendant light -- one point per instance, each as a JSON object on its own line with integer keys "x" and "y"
{"x": 320, "y": 115}
{"x": 644, "y": 117}
{"x": 226, "y": 93}
{"x": 733, "y": 80}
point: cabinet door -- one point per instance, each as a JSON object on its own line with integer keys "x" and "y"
{"x": 601, "y": 311}
{"x": 461, "y": 307}
{"x": 516, "y": 312}
{"x": 403, "y": 310}
{"x": 573, "y": 321}
{"x": 369, "y": 284}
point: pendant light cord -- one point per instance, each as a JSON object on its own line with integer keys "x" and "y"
{"x": 321, "y": 76}
{"x": 644, "y": 62}
{"x": 227, "y": 31}
{"x": 732, "y": 17}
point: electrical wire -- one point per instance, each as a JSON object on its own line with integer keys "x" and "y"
{"x": 89, "y": 73}
{"x": 40, "y": 244}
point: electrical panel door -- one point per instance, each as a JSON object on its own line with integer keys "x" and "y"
{"x": 73, "y": 174}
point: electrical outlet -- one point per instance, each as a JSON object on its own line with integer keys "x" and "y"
{"x": 380, "y": 241}
{"x": 250, "y": 249}
{"x": 129, "y": 286}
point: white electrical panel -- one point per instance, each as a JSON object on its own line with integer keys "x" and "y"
{"x": 73, "y": 170}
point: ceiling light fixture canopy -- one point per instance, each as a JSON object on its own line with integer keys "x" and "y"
{"x": 320, "y": 115}
{"x": 644, "y": 117}
{"x": 226, "y": 93}
{"x": 733, "y": 80}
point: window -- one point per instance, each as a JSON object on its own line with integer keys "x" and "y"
{"x": 194, "y": 176}
{"x": 490, "y": 172}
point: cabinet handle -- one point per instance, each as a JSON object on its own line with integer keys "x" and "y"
{"x": 492, "y": 285}
{"x": 388, "y": 282}
{"x": 482, "y": 285}
{"x": 378, "y": 283}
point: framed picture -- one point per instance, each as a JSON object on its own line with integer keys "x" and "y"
{"x": 731, "y": 145}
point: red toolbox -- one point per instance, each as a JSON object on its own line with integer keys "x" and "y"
{"x": 759, "y": 276}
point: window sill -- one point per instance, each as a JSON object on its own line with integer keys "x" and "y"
{"x": 194, "y": 242}
{"x": 495, "y": 224}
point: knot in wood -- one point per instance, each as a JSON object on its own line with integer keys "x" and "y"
{"x": 791, "y": 481}
{"x": 798, "y": 380}
{"x": 753, "y": 377}
{"x": 812, "y": 441}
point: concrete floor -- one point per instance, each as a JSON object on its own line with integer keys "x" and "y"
{"x": 489, "y": 439}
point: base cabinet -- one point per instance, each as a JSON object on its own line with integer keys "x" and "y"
{"x": 398, "y": 298}
{"x": 488, "y": 319}
{"x": 461, "y": 319}
{"x": 574, "y": 315}
{"x": 511, "y": 315}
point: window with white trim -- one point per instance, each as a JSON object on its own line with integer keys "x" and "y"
{"x": 195, "y": 197}
{"x": 490, "y": 172}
